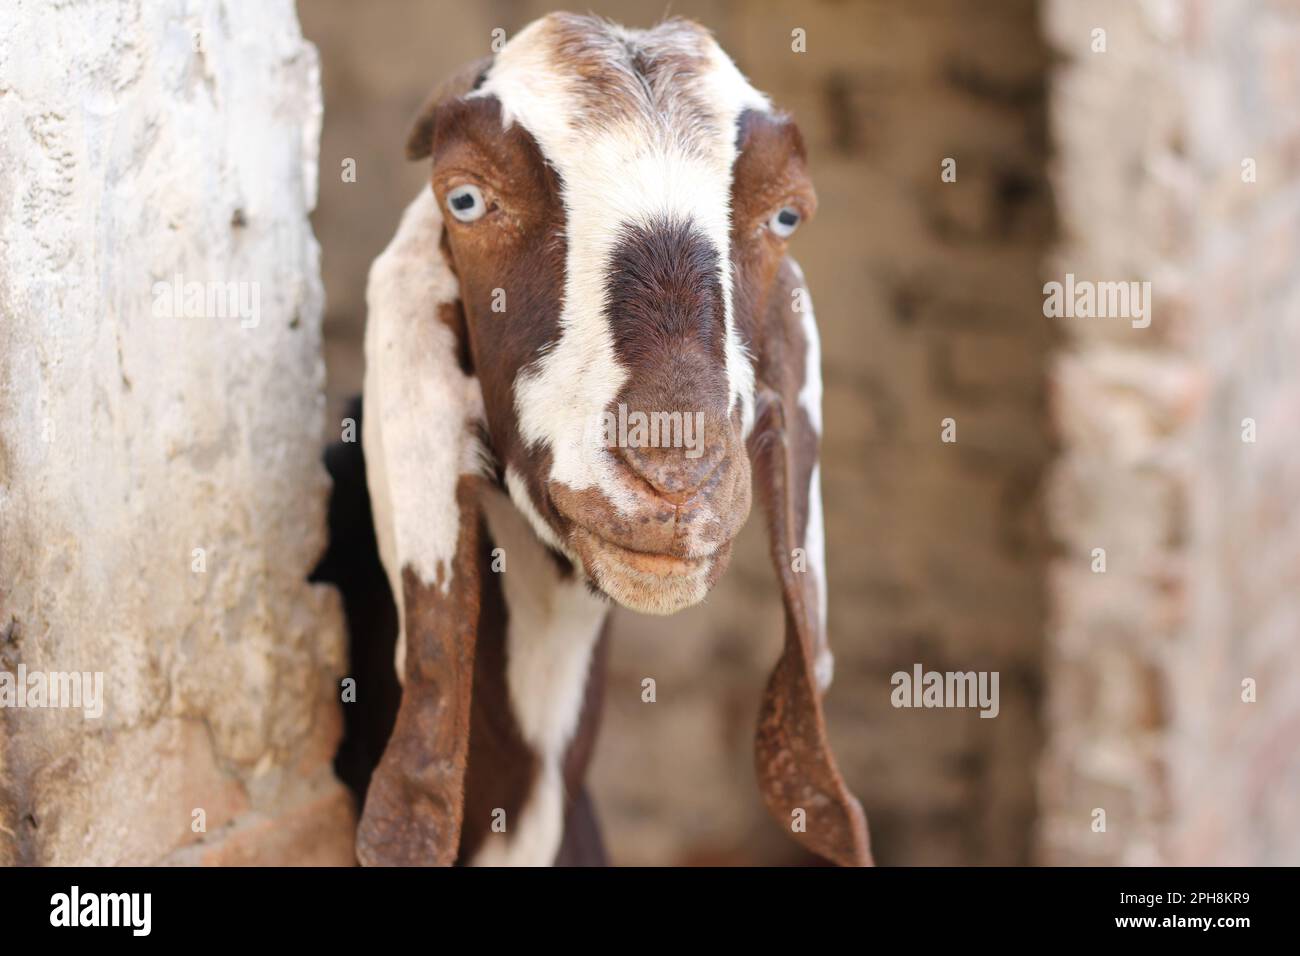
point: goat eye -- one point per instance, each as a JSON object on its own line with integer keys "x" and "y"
{"x": 466, "y": 203}
{"x": 784, "y": 222}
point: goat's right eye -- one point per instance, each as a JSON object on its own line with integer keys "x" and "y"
{"x": 784, "y": 222}
{"x": 466, "y": 203}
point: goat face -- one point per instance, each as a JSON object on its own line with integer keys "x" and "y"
{"x": 602, "y": 252}
{"x": 615, "y": 208}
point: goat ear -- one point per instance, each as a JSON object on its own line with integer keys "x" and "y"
{"x": 419, "y": 142}
{"x": 796, "y": 769}
{"x": 421, "y": 428}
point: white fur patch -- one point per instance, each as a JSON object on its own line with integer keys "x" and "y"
{"x": 638, "y": 168}
{"x": 534, "y": 839}
{"x": 810, "y": 400}
{"x": 810, "y": 393}
{"x": 553, "y": 628}
{"x": 815, "y": 548}
{"x": 419, "y": 407}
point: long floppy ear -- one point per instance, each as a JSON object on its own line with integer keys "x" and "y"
{"x": 796, "y": 768}
{"x": 424, "y": 457}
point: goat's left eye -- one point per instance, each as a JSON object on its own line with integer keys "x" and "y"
{"x": 466, "y": 203}
{"x": 784, "y": 222}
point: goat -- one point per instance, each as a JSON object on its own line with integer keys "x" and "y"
{"x": 605, "y": 228}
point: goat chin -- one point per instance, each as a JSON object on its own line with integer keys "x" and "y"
{"x": 649, "y": 583}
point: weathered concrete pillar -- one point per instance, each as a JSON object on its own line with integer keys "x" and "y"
{"x": 161, "y": 415}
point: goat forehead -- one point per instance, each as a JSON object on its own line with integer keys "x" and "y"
{"x": 646, "y": 104}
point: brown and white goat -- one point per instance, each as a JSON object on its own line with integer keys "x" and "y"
{"x": 605, "y": 229}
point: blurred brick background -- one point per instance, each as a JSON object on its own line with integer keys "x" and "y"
{"x": 929, "y": 299}
{"x": 1201, "y": 529}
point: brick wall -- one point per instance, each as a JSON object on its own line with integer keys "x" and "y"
{"x": 1201, "y": 528}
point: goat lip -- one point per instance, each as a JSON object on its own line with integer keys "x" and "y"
{"x": 654, "y": 564}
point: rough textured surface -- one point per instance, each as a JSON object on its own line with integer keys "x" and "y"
{"x": 1201, "y": 529}
{"x": 138, "y": 142}
{"x": 927, "y": 294}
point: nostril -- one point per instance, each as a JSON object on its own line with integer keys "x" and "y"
{"x": 674, "y": 474}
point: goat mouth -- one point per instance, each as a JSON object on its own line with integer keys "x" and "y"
{"x": 641, "y": 563}
{"x": 651, "y": 583}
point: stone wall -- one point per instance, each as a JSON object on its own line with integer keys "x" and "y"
{"x": 161, "y": 497}
{"x": 1177, "y": 162}
{"x": 927, "y": 294}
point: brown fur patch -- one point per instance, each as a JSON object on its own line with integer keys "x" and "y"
{"x": 502, "y": 767}
{"x": 770, "y": 171}
{"x": 412, "y": 815}
{"x": 512, "y": 257}
{"x": 664, "y": 297}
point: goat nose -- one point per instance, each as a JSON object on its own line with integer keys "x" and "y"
{"x": 676, "y": 473}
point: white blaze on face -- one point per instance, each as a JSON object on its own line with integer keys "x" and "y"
{"x": 619, "y": 168}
